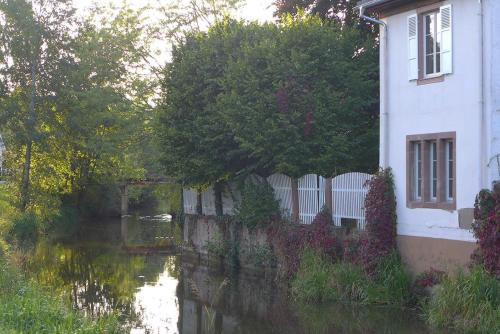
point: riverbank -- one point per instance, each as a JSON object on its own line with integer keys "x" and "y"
{"x": 25, "y": 305}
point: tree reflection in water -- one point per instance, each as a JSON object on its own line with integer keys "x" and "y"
{"x": 100, "y": 278}
{"x": 159, "y": 294}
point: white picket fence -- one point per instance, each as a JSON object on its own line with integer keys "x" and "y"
{"x": 282, "y": 186}
{"x": 348, "y": 196}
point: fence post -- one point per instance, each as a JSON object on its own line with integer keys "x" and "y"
{"x": 295, "y": 199}
{"x": 199, "y": 205}
{"x": 328, "y": 194}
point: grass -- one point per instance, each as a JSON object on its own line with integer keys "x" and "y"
{"x": 320, "y": 280}
{"x": 28, "y": 308}
{"x": 468, "y": 303}
{"x": 25, "y": 306}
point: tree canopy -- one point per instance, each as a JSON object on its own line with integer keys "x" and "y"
{"x": 244, "y": 98}
{"x": 75, "y": 104}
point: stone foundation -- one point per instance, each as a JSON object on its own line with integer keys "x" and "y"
{"x": 420, "y": 254}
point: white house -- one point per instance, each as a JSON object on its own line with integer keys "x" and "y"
{"x": 440, "y": 118}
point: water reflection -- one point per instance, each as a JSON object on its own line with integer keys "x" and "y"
{"x": 162, "y": 294}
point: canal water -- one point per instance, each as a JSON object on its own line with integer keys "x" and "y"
{"x": 155, "y": 293}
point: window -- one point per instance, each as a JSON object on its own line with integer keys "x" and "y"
{"x": 449, "y": 170}
{"x": 431, "y": 166}
{"x": 433, "y": 169}
{"x": 417, "y": 170}
{"x": 430, "y": 43}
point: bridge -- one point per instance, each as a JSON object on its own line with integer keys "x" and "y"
{"x": 138, "y": 182}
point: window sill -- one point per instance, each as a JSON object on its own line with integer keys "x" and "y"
{"x": 448, "y": 206}
{"x": 431, "y": 80}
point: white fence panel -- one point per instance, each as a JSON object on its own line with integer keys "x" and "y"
{"x": 311, "y": 198}
{"x": 208, "y": 202}
{"x": 349, "y": 192}
{"x": 282, "y": 186}
{"x": 231, "y": 196}
{"x": 190, "y": 199}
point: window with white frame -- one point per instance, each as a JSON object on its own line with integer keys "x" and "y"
{"x": 430, "y": 43}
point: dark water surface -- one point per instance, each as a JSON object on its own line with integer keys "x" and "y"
{"x": 163, "y": 294}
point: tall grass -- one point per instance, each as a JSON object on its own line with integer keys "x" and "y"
{"x": 25, "y": 307}
{"x": 467, "y": 303}
{"x": 320, "y": 280}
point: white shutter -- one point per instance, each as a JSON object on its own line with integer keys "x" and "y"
{"x": 412, "y": 47}
{"x": 446, "y": 39}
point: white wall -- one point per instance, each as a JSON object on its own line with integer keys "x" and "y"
{"x": 451, "y": 105}
{"x": 492, "y": 85}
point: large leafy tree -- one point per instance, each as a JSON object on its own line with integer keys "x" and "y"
{"x": 249, "y": 98}
{"x": 36, "y": 49}
{"x": 77, "y": 103}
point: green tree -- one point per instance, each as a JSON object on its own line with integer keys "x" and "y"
{"x": 34, "y": 40}
{"x": 249, "y": 98}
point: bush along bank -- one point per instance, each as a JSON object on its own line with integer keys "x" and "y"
{"x": 470, "y": 302}
{"x": 322, "y": 264}
{"x": 365, "y": 268}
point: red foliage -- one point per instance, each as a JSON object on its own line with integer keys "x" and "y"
{"x": 289, "y": 240}
{"x": 380, "y": 210}
{"x": 352, "y": 249}
{"x": 429, "y": 278}
{"x": 487, "y": 229}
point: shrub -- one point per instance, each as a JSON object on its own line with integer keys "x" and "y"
{"x": 350, "y": 283}
{"x": 65, "y": 223}
{"x": 290, "y": 240}
{"x": 258, "y": 205}
{"x": 258, "y": 255}
{"x": 321, "y": 237}
{"x": 312, "y": 282}
{"x": 467, "y": 303}
{"x": 429, "y": 278}
{"x": 380, "y": 210}
{"x": 486, "y": 229}
{"x": 351, "y": 249}
{"x": 391, "y": 284}
{"x": 24, "y": 229}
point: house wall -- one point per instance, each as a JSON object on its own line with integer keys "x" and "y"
{"x": 451, "y": 105}
{"x": 492, "y": 85}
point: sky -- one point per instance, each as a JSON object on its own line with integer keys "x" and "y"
{"x": 254, "y": 10}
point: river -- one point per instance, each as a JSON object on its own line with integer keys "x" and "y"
{"x": 164, "y": 294}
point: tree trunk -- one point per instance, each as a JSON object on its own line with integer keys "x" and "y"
{"x": 25, "y": 185}
{"x": 295, "y": 200}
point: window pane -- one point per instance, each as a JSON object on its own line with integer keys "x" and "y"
{"x": 449, "y": 170}
{"x": 429, "y": 64}
{"x": 433, "y": 169}
{"x": 429, "y": 45}
{"x": 429, "y": 24}
{"x": 417, "y": 171}
{"x": 438, "y": 62}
